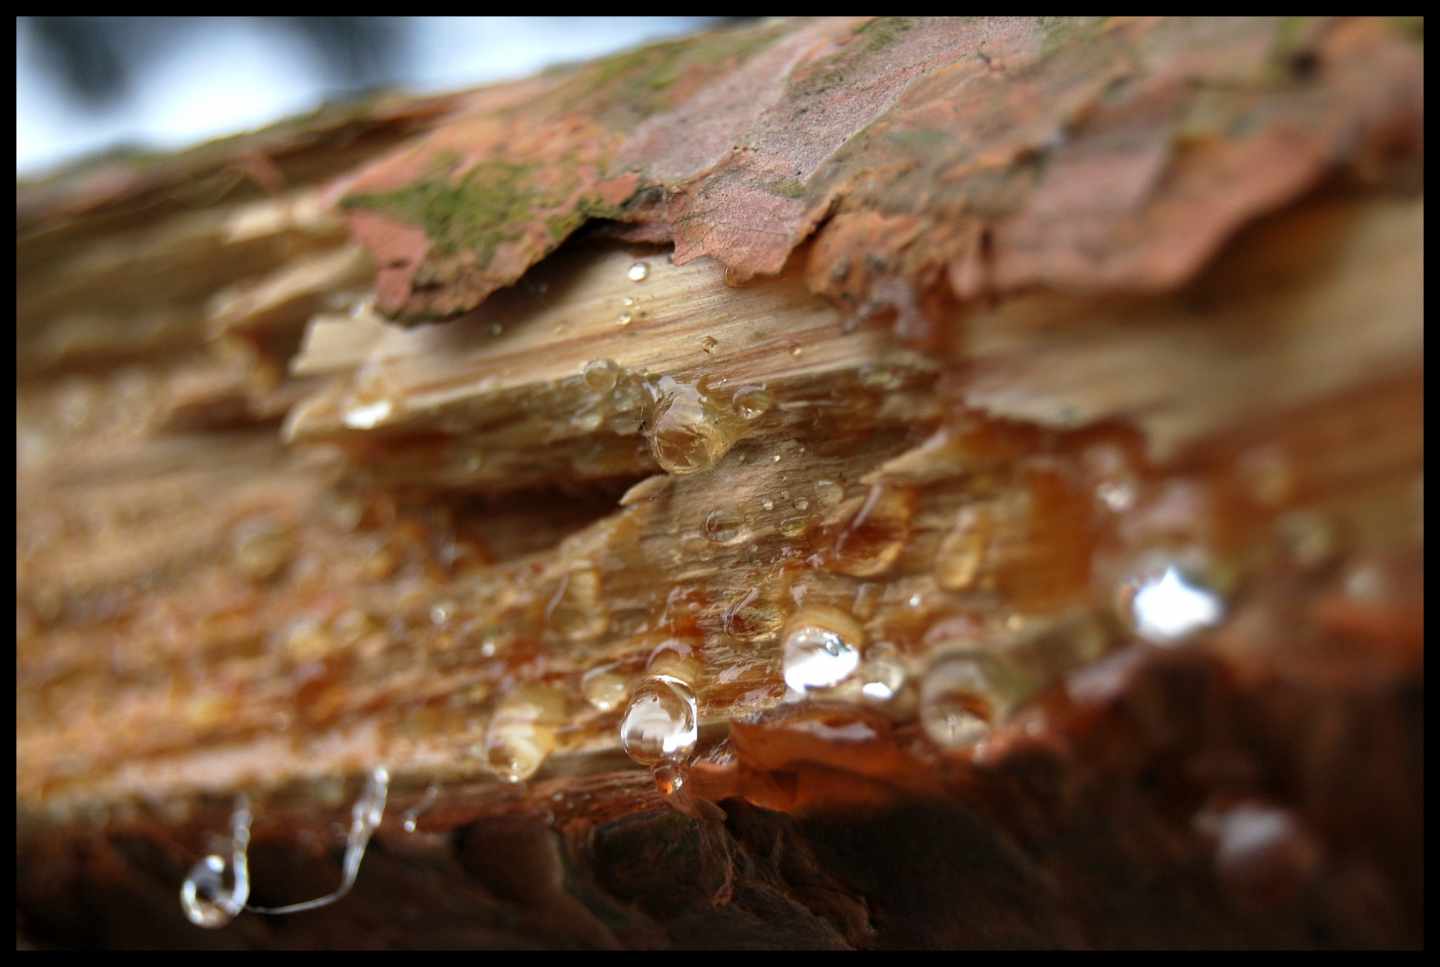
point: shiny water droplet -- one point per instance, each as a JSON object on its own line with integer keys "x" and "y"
{"x": 752, "y": 402}
{"x": 604, "y": 687}
{"x": 794, "y": 526}
{"x": 204, "y": 897}
{"x": 965, "y": 694}
{"x": 1167, "y": 600}
{"x": 601, "y": 374}
{"x": 262, "y": 546}
{"x": 661, "y": 722}
{"x": 801, "y": 503}
{"x": 767, "y": 504}
{"x": 628, "y": 302}
{"x": 521, "y": 733}
{"x": 882, "y": 672}
{"x": 638, "y": 272}
{"x": 822, "y": 649}
{"x": 366, "y": 416}
{"x": 796, "y": 351}
{"x": 724, "y": 527}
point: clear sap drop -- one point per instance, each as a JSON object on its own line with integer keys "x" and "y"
{"x": 751, "y": 402}
{"x": 965, "y": 694}
{"x": 882, "y": 673}
{"x": 822, "y": 649}
{"x": 638, "y": 272}
{"x": 521, "y": 733}
{"x": 603, "y": 687}
{"x": 661, "y": 723}
{"x": 1170, "y": 603}
{"x": 601, "y": 375}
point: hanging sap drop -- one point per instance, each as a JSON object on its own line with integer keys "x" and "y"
{"x": 521, "y": 733}
{"x": 661, "y": 722}
{"x": 638, "y": 272}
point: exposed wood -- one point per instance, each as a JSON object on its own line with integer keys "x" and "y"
{"x": 269, "y": 538}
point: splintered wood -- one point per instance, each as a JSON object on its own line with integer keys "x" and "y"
{"x": 824, "y": 526}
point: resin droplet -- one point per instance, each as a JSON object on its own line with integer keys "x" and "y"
{"x": 751, "y": 402}
{"x": 685, "y": 435}
{"x": 822, "y": 649}
{"x": 661, "y": 722}
{"x": 601, "y": 374}
{"x": 521, "y": 733}
{"x": 366, "y": 416}
{"x": 723, "y": 527}
{"x": 965, "y": 694}
{"x": 262, "y": 548}
{"x": 603, "y": 687}
{"x": 638, "y": 272}
{"x": 873, "y": 539}
{"x": 882, "y": 673}
{"x": 1167, "y": 600}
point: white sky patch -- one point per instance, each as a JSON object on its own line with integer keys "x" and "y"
{"x": 231, "y": 74}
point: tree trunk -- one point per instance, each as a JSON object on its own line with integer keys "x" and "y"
{"x": 835, "y": 483}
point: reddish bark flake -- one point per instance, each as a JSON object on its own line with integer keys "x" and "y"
{"x": 978, "y": 156}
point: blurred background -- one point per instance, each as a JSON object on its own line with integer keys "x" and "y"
{"x": 87, "y": 84}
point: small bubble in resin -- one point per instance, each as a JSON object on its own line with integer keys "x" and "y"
{"x": 882, "y": 672}
{"x": 601, "y": 374}
{"x": 366, "y": 416}
{"x": 965, "y": 694}
{"x": 1166, "y": 600}
{"x": 661, "y": 722}
{"x": 822, "y": 648}
{"x": 723, "y": 527}
{"x": 751, "y": 402}
{"x": 604, "y": 687}
{"x": 521, "y": 733}
{"x": 638, "y": 272}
